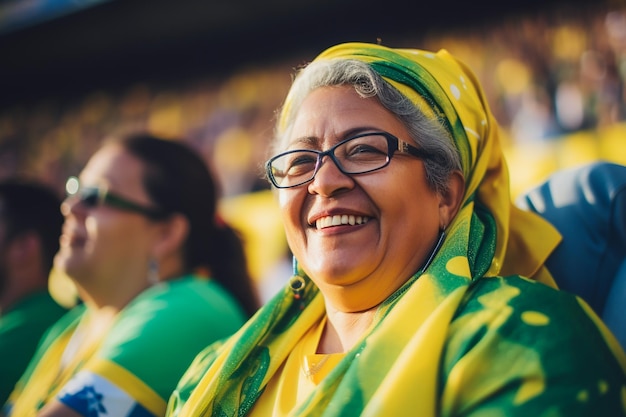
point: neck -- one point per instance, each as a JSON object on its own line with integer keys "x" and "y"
{"x": 111, "y": 297}
{"x": 343, "y": 330}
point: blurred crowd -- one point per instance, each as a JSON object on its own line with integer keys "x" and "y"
{"x": 555, "y": 81}
{"x": 224, "y": 119}
{"x": 546, "y": 75}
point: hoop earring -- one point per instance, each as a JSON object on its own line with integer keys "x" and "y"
{"x": 297, "y": 284}
{"x": 153, "y": 272}
{"x": 442, "y": 236}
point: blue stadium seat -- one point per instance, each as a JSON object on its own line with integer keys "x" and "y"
{"x": 587, "y": 204}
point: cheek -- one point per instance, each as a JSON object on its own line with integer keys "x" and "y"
{"x": 410, "y": 210}
{"x": 113, "y": 238}
{"x": 103, "y": 237}
{"x": 290, "y": 203}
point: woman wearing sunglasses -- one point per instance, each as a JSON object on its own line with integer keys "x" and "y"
{"x": 407, "y": 297}
{"x": 160, "y": 276}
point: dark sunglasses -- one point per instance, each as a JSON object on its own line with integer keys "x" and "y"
{"x": 91, "y": 197}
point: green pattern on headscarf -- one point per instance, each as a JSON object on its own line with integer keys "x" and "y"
{"x": 435, "y": 342}
{"x": 425, "y": 86}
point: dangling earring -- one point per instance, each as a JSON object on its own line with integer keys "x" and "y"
{"x": 297, "y": 284}
{"x": 442, "y": 236}
{"x": 153, "y": 272}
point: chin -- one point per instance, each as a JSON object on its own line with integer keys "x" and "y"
{"x": 68, "y": 264}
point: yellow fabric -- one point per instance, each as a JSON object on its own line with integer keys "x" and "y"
{"x": 436, "y": 343}
{"x": 477, "y": 136}
{"x": 137, "y": 388}
{"x": 291, "y": 385}
{"x": 49, "y": 376}
{"x": 123, "y": 353}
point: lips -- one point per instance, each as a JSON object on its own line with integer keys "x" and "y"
{"x": 72, "y": 238}
{"x": 340, "y": 220}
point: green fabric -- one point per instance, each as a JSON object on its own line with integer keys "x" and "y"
{"x": 503, "y": 355}
{"x": 21, "y": 328}
{"x": 198, "y": 312}
{"x": 153, "y": 340}
{"x": 458, "y": 339}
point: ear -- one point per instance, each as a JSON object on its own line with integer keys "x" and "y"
{"x": 171, "y": 235}
{"x": 451, "y": 198}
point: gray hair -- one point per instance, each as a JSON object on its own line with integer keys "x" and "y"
{"x": 429, "y": 134}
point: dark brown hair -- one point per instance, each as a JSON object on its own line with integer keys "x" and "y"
{"x": 178, "y": 180}
{"x": 27, "y": 205}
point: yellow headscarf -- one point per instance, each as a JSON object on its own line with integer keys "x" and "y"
{"x": 441, "y": 86}
{"x": 489, "y": 237}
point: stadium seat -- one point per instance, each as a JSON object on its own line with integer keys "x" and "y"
{"x": 587, "y": 204}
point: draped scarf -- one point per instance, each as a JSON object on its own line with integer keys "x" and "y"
{"x": 488, "y": 237}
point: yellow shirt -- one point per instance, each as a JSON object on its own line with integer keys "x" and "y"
{"x": 298, "y": 376}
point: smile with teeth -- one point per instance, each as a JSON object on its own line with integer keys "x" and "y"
{"x": 338, "y": 220}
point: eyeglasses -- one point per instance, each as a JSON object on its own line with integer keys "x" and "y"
{"x": 95, "y": 196}
{"x": 359, "y": 154}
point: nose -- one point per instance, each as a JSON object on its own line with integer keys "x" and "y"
{"x": 70, "y": 205}
{"x": 329, "y": 179}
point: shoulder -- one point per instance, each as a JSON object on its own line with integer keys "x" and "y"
{"x": 183, "y": 302}
{"x": 515, "y": 290}
{"x": 168, "y": 326}
{"x": 535, "y": 344}
{"x": 522, "y": 306}
{"x": 183, "y": 310}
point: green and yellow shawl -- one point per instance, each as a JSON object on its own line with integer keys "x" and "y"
{"x": 458, "y": 339}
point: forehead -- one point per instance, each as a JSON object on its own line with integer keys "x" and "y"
{"x": 331, "y": 113}
{"x": 115, "y": 166}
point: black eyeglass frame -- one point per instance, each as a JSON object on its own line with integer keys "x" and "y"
{"x": 394, "y": 145}
{"x": 95, "y": 196}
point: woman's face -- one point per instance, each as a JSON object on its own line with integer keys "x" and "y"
{"x": 103, "y": 244}
{"x": 358, "y": 266}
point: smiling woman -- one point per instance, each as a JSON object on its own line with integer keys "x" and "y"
{"x": 418, "y": 289}
{"x": 160, "y": 277}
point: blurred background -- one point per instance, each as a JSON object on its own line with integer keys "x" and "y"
{"x": 73, "y": 72}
